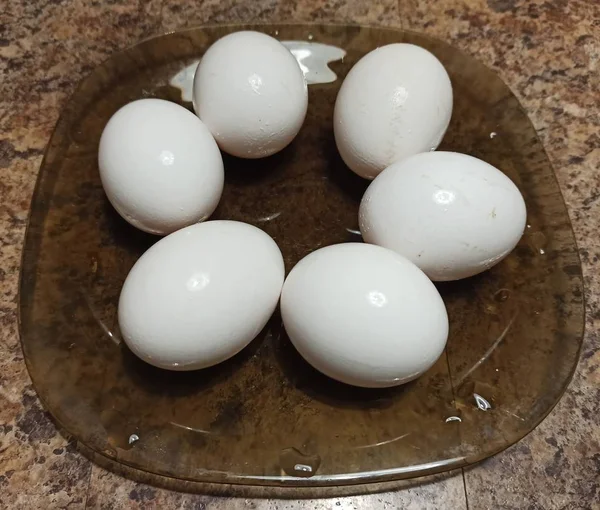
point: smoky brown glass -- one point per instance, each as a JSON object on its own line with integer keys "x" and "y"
{"x": 265, "y": 417}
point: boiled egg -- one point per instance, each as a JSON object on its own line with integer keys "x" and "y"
{"x": 364, "y": 315}
{"x": 200, "y": 295}
{"x": 395, "y": 102}
{"x": 160, "y": 167}
{"x": 251, "y": 93}
{"x": 451, "y": 214}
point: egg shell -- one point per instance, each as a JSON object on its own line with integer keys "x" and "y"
{"x": 200, "y": 295}
{"x": 364, "y": 315}
{"x": 395, "y": 102}
{"x": 451, "y": 214}
{"x": 160, "y": 167}
{"x": 251, "y": 93}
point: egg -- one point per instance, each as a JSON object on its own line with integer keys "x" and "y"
{"x": 160, "y": 167}
{"x": 364, "y": 315}
{"x": 451, "y": 214}
{"x": 395, "y": 102}
{"x": 200, "y": 295}
{"x": 251, "y": 93}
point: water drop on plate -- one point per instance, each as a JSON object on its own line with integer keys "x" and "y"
{"x": 295, "y": 463}
{"x": 502, "y": 295}
{"x": 538, "y": 242}
{"x": 481, "y": 402}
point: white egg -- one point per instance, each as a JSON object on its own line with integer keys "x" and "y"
{"x": 251, "y": 93}
{"x": 451, "y": 214}
{"x": 395, "y": 102}
{"x": 160, "y": 166}
{"x": 364, "y": 315}
{"x": 200, "y": 295}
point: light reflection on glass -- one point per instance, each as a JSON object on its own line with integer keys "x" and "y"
{"x": 301, "y": 54}
{"x": 269, "y": 217}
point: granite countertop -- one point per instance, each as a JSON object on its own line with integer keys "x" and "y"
{"x": 547, "y": 51}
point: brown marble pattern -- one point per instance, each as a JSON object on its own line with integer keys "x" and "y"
{"x": 547, "y": 52}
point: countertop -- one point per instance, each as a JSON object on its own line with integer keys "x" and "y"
{"x": 547, "y": 51}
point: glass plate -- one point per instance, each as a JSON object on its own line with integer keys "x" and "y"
{"x": 265, "y": 417}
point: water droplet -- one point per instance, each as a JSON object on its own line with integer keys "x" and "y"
{"x": 133, "y": 438}
{"x": 481, "y": 402}
{"x": 310, "y": 37}
{"x": 297, "y": 464}
{"x": 493, "y": 135}
{"x": 538, "y": 242}
{"x": 502, "y": 295}
{"x": 276, "y": 32}
{"x": 453, "y": 418}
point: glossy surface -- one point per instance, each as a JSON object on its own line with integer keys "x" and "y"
{"x": 364, "y": 315}
{"x": 395, "y": 102}
{"x": 200, "y": 295}
{"x": 313, "y": 58}
{"x": 160, "y": 166}
{"x": 251, "y": 93}
{"x": 264, "y": 415}
{"x": 453, "y": 215}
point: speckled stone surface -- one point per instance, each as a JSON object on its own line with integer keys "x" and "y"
{"x": 548, "y": 53}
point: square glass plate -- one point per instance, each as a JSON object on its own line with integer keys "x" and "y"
{"x": 265, "y": 417}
